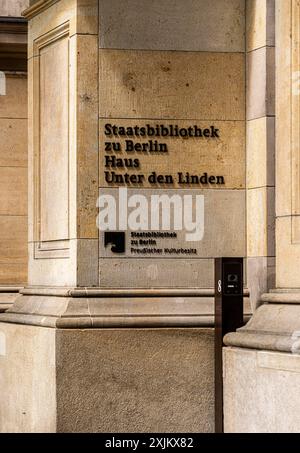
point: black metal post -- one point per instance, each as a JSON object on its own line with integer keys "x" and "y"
{"x": 228, "y": 318}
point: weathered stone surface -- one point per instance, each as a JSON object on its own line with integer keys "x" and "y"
{"x": 87, "y": 17}
{"x": 81, "y": 16}
{"x": 261, "y": 222}
{"x": 106, "y": 375}
{"x": 260, "y": 277}
{"x": 13, "y": 273}
{"x": 270, "y": 36}
{"x": 13, "y": 8}
{"x": 284, "y": 118}
{"x": 287, "y": 254}
{"x": 30, "y": 403}
{"x": 54, "y": 141}
{"x": 261, "y": 387}
{"x": 136, "y": 381}
{"x": 63, "y": 144}
{"x": 8, "y": 296}
{"x": 13, "y": 139}
{"x": 261, "y": 83}
{"x": 172, "y": 25}
{"x": 60, "y": 270}
{"x": 13, "y": 181}
{"x": 14, "y": 103}
{"x": 256, "y": 396}
{"x": 260, "y": 152}
{"x": 217, "y": 206}
{"x": 260, "y": 24}
{"x": 87, "y": 262}
{"x": 91, "y": 308}
{"x": 13, "y": 238}
{"x": 274, "y": 326}
{"x": 256, "y": 30}
{"x": 124, "y": 273}
{"x": 13, "y": 191}
{"x": 86, "y": 135}
{"x": 173, "y": 85}
{"x": 223, "y": 155}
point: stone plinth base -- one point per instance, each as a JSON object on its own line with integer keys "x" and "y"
{"x": 106, "y": 380}
{"x": 262, "y": 368}
{"x": 88, "y": 359}
{"x": 261, "y": 391}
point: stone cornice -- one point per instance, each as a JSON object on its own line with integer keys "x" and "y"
{"x": 37, "y": 8}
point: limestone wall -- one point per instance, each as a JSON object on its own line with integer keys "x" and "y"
{"x": 13, "y": 181}
{"x": 13, "y": 8}
{"x": 183, "y": 63}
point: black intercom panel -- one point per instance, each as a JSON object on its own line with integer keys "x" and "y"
{"x": 232, "y": 277}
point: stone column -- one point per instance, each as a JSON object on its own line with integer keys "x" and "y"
{"x": 262, "y": 365}
{"x": 121, "y": 344}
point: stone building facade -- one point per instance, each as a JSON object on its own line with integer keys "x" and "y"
{"x": 116, "y": 332}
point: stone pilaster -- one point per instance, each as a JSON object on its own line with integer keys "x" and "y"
{"x": 260, "y": 148}
{"x": 262, "y": 364}
{"x": 63, "y": 143}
